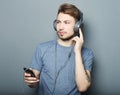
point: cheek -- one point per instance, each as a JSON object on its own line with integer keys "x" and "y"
{"x": 71, "y": 30}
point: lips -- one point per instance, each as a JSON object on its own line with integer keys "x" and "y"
{"x": 61, "y": 33}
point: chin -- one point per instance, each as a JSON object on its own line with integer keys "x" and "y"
{"x": 66, "y": 38}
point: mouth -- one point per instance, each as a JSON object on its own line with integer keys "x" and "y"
{"x": 61, "y": 33}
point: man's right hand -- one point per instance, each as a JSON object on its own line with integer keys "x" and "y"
{"x": 32, "y": 81}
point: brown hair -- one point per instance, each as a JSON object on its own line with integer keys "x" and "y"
{"x": 70, "y": 9}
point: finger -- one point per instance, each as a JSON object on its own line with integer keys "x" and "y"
{"x": 27, "y": 74}
{"x": 76, "y": 39}
{"x": 30, "y": 78}
{"x": 81, "y": 34}
{"x": 31, "y": 81}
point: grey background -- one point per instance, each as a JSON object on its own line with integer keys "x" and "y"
{"x": 25, "y": 23}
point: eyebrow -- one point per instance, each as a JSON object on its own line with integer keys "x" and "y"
{"x": 63, "y": 21}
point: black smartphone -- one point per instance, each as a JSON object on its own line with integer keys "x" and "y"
{"x": 27, "y": 70}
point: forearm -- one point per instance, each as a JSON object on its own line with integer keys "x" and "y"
{"x": 83, "y": 79}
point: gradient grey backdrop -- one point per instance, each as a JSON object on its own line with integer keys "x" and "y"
{"x": 25, "y": 23}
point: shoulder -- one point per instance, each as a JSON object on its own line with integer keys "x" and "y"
{"x": 42, "y": 47}
{"x": 47, "y": 44}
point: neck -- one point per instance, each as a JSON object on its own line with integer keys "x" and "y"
{"x": 65, "y": 43}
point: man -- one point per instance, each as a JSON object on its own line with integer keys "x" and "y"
{"x": 62, "y": 66}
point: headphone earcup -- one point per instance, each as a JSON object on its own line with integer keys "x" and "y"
{"x": 76, "y": 27}
{"x": 54, "y": 25}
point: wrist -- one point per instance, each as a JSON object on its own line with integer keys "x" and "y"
{"x": 77, "y": 51}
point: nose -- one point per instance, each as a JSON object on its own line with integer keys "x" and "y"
{"x": 61, "y": 26}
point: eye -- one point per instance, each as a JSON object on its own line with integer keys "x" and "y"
{"x": 67, "y": 22}
{"x": 57, "y": 21}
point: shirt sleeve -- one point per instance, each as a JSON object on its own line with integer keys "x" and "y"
{"x": 88, "y": 62}
{"x": 37, "y": 60}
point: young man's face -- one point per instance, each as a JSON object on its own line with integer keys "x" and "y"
{"x": 65, "y": 26}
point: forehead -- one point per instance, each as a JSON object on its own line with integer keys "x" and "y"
{"x": 62, "y": 16}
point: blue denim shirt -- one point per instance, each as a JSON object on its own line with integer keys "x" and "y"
{"x": 56, "y": 64}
